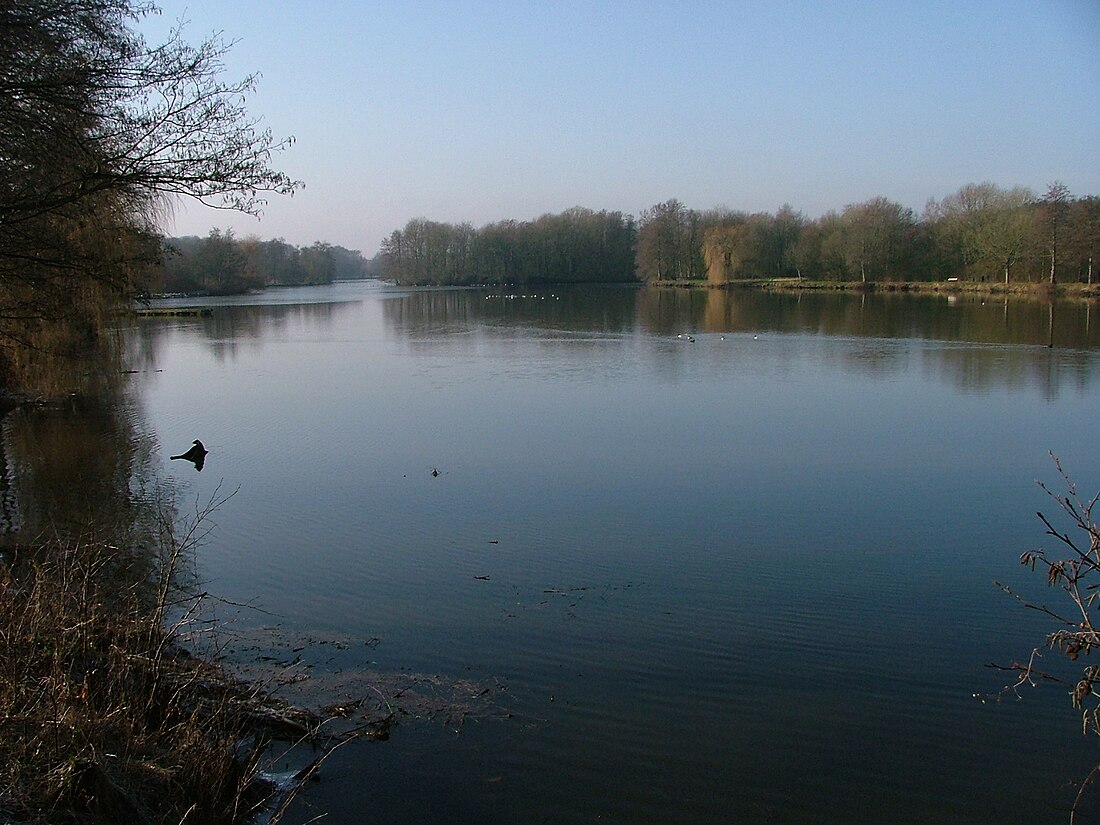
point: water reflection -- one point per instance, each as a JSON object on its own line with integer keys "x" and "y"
{"x": 963, "y": 333}
{"x": 68, "y": 466}
{"x": 609, "y": 310}
{"x": 228, "y": 328}
{"x": 619, "y": 310}
{"x": 1065, "y": 324}
{"x": 619, "y": 513}
{"x": 79, "y": 473}
{"x": 969, "y": 342}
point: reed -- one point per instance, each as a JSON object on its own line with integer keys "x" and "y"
{"x": 104, "y": 717}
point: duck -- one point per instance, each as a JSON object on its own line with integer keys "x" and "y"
{"x": 196, "y": 454}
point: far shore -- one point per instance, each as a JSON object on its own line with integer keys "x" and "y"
{"x": 951, "y": 287}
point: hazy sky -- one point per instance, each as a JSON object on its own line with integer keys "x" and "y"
{"x": 481, "y": 111}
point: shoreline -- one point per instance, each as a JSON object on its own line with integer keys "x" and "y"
{"x": 141, "y": 727}
{"x": 1046, "y": 291}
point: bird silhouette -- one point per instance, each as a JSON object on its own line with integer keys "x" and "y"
{"x": 196, "y": 455}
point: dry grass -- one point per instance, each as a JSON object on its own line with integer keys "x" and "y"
{"x": 103, "y": 717}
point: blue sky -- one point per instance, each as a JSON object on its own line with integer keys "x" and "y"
{"x": 481, "y": 111}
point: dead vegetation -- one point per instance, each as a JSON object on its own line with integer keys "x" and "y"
{"x": 124, "y": 700}
{"x": 104, "y": 718}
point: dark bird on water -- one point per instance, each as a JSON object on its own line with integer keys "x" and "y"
{"x": 196, "y": 455}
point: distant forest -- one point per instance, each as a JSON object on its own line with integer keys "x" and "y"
{"x": 220, "y": 264}
{"x": 982, "y": 232}
{"x": 575, "y": 246}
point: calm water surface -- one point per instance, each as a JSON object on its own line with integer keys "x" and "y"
{"x": 745, "y": 578}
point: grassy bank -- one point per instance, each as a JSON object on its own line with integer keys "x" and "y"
{"x": 1022, "y": 290}
{"x": 104, "y": 717}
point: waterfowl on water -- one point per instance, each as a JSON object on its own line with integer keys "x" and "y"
{"x": 196, "y": 455}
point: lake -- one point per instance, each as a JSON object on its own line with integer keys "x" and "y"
{"x": 640, "y": 556}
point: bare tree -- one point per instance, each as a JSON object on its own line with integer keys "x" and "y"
{"x": 1082, "y": 236}
{"x": 989, "y": 225}
{"x": 1075, "y": 570}
{"x": 1055, "y": 204}
{"x": 879, "y": 233}
{"x": 664, "y": 242}
{"x": 81, "y": 88}
{"x": 97, "y": 129}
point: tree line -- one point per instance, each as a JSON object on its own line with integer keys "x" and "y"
{"x": 97, "y": 129}
{"x": 983, "y": 232}
{"x": 221, "y": 264}
{"x": 577, "y": 245}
